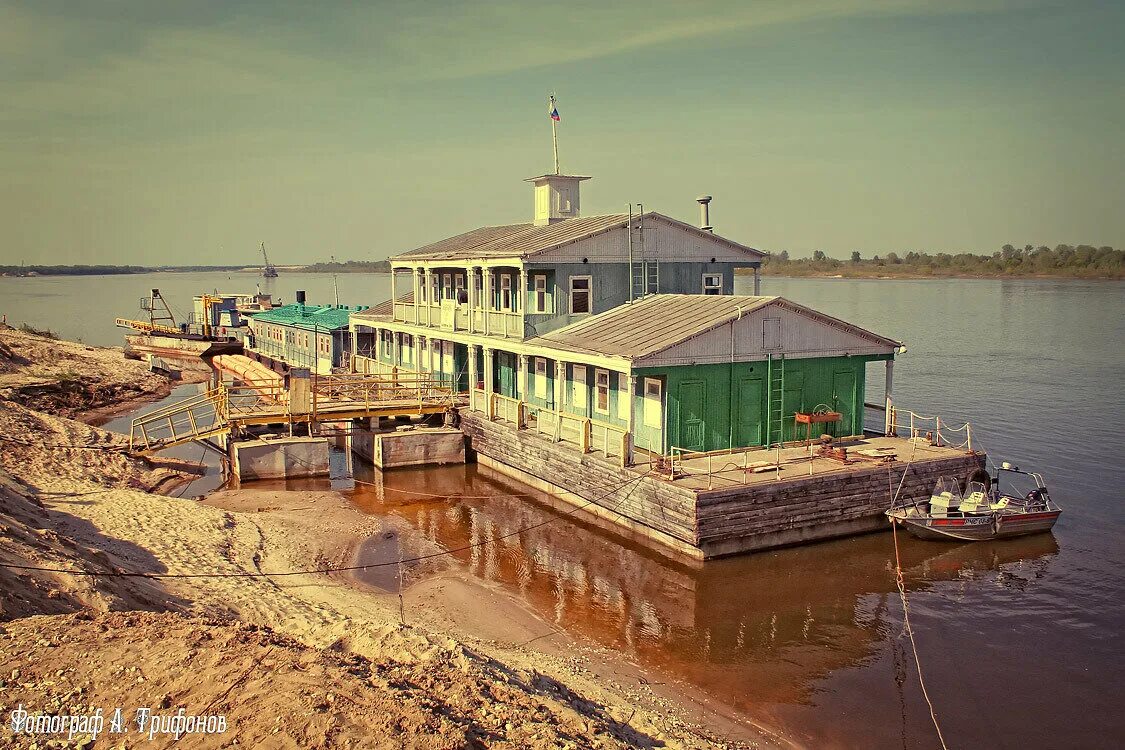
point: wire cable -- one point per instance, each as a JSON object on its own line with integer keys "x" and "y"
{"x": 910, "y": 632}
{"x": 337, "y": 569}
{"x": 29, "y": 444}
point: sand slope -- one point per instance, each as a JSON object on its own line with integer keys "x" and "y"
{"x": 302, "y": 660}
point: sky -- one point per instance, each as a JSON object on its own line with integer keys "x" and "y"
{"x": 190, "y": 132}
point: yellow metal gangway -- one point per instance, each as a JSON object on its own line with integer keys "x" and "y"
{"x": 268, "y": 401}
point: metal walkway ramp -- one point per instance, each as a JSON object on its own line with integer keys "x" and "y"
{"x": 268, "y": 402}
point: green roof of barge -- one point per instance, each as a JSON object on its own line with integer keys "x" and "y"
{"x": 318, "y": 317}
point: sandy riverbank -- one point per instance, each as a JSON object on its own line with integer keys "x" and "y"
{"x": 299, "y": 660}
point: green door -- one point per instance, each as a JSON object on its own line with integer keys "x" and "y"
{"x": 843, "y": 401}
{"x": 750, "y": 422}
{"x": 507, "y": 374}
{"x": 693, "y": 432}
{"x": 461, "y": 367}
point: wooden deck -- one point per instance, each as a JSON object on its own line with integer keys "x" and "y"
{"x": 741, "y": 511}
{"x": 270, "y": 402}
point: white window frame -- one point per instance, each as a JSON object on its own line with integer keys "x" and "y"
{"x": 435, "y": 355}
{"x": 447, "y": 285}
{"x": 624, "y": 397}
{"x": 458, "y": 286}
{"x": 539, "y": 280}
{"x": 654, "y": 403}
{"x": 601, "y": 386}
{"x": 716, "y": 285}
{"x": 541, "y": 378}
{"x": 506, "y": 292}
{"x": 589, "y": 294}
{"x": 422, "y": 293}
{"x": 447, "y": 357}
{"x": 578, "y": 388}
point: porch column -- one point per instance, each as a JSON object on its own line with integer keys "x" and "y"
{"x": 394, "y": 295}
{"x": 472, "y": 372}
{"x": 560, "y": 383}
{"x": 757, "y": 281}
{"x": 888, "y": 416}
{"x": 488, "y": 381}
{"x": 470, "y": 289}
{"x": 429, "y": 281}
{"x": 486, "y": 284}
{"x": 521, "y": 384}
{"x": 414, "y": 286}
{"x": 518, "y": 307}
{"x": 630, "y": 420}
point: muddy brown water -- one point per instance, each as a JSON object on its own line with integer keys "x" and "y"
{"x": 1020, "y": 640}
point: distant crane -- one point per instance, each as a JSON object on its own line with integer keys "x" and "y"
{"x": 268, "y": 271}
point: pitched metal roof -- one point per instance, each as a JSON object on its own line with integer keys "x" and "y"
{"x": 523, "y": 240}
{"x": 385, "y": 310}
{"x": 660, "y": 321}
{"x": 320, "y": 317}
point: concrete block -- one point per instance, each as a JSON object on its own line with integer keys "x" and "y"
{"x": 280, "y": 458}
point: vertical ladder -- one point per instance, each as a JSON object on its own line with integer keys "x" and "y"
{"x": 775, "y": 408}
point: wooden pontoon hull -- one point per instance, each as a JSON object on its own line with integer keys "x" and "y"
{"x": 978, "y": 528}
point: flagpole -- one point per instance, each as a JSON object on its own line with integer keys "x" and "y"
{"x": 555, "y": 136}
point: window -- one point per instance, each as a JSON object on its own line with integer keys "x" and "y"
{"x": 653, "y": 405}
{"x": 447, "y": 357}
{"x": 435, "y": 355}
{"x": 541, "y": 378}
{"x": 540, "y": 293}
{"x": 420, "y": 278}
{"x": 447, "y": 283}
{"x": 580, "y": 295}
{"x": 771, "y": 333}
{"x": 435, "y": 288}
{"x": 407, "y": 355}
{"x": 505, "y": 292}
{"x": 712, "y": 283}
{"x": 578, "y": 386}
{"x": 601, "y": 396}
{"x": 459, "y": 287}
{"x": 624, "y": 396}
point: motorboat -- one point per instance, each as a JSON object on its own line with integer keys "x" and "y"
{"x": 981, "y": 507}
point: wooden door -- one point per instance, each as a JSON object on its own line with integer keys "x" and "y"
{"x": 693, "y": 426}
{"x": 843, "y": 401}
{"x": 750, "y": 420}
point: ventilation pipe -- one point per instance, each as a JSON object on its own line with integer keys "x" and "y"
{"x": 704, "y": 202}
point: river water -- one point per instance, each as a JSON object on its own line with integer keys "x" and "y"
{"x": 1020, "y": 640}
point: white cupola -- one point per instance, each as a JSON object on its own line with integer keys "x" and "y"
{"x": 556, "y": 197}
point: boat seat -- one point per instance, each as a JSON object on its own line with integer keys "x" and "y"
{"x": 939, "y": 504}
{"x": 1000, "y": 505}
{"x": 973, "y": 502}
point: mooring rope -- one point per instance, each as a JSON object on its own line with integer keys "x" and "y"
{"x": 910, "y": 632}
{"x": 901, "y": 583}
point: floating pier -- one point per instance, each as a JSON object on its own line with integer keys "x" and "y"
{"x": 732, "y": 508}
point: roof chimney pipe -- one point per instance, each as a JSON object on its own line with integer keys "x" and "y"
{"x": 704, "y": 202}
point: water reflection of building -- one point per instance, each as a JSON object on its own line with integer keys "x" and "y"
{"x": 757, "y": 628}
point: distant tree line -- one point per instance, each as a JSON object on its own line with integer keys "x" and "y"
{"x": 351, "y": 266}
{"x": 1075, "y": 261}
{"x": 70, "y": 270}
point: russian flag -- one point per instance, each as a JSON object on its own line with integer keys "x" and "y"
{"x": 552, "y": 110}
